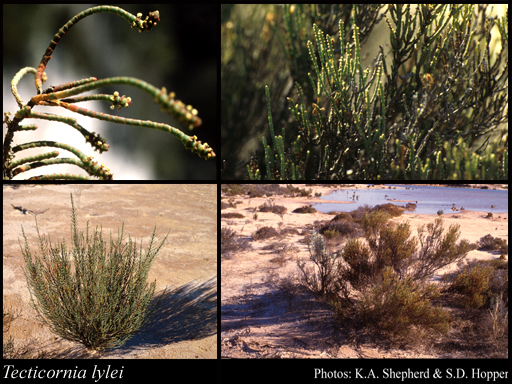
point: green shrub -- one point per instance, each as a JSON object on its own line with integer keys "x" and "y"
{"x": 305, "y": 192}
{"x": 396, "y": 304}
{"x": 346, "y": 216}
{"x": 410, "y": 207}
{"x": 391, "y": 209}
{"x": 100, "y": 301}
{"x": 480, "y": 281}
{"x": 359, "y": 213}
{"x": 233, "y": 189}
{"x": 255, "y": 192}
{"x": 473, "y": 283}
{"x": 387, "y": 270}
{"x": 343, "y": 228}
{"x": 331, "y": 234}
{"x": 437, "y": 248}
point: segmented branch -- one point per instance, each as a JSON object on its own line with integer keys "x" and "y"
{"x": 184, "y": 113}
{"x": 135, "y": 21}
{"x": 190, "y": 142}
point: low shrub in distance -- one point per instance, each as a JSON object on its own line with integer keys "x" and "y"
{"x": 305, "y": 209}
{"x": 489, "y": 242}
{"x": 230, "y": 242}
{"x": 265, "y": 233}
{"x": 232, "y": 215}
{"x": 272, "y": 207}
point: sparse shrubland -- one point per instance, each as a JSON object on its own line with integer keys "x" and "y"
{"x": 381, "y": 279}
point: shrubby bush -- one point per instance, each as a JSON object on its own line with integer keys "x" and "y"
{"x": 270, "y": 206}
{"x": 344, "y": 216}
{"x": 305, "y": 209}
{"x": 91, "y": 294}
{"x": 494, "y": 244}
{"x": 230, "y": 242}
{"x": 232, "y": 215}
{"x": 324, "y": 260}
{"x": 473, "y": 284}
{"x": 396, "y": 304}
{"x": 385, "y": 272}
{"x": 265, "y": 233}
{"x": 391, "y": 209}
{"x": 342, "y": 228}
{"x": 479, "y": 282}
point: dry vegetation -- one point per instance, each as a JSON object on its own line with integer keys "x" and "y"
{"x": 374, "y": 275}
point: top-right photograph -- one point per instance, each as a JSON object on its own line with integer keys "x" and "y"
{"x": 364, "y": 92}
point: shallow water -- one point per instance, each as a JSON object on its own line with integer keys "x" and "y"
{"x": 430, "y": 199}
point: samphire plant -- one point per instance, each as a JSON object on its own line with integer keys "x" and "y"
{"x": 91, "y": 294}
{"x": 383, "y": 278}
{"x": 428, "y": 109}
{"x": 65, "y": 96}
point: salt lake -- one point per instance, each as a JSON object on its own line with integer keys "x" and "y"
{"x": 430, "y": 199}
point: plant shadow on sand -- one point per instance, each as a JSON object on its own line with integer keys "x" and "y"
{"x": 188, "y": 312}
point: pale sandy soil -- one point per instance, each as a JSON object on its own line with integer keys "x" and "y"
{"x": 185, "y": 326}
{"x": 265, "y": 314}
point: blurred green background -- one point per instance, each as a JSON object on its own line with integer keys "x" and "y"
{"x": 250, "y": 59}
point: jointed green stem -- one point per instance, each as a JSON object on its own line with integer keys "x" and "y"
{"x": 31, "y": 159}
{"x": 62, "y": 160}
{"x": 115, "y": 99}
{"x": 135, "y": 21}
{"x": 185, "y": 114}
{"x": 28, "y": 127}
{"x": 72, "y": 84}
{"x": 97, "y": 142}
{"x": 60, "y": 95}
{"x": 87, "y": 162}
{"x": 190, "y": 142}
{"x": 61, "y": 176}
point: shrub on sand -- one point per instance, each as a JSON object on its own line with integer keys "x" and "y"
{"x": 395, "y": 305}
{"x": 101, "y": 299}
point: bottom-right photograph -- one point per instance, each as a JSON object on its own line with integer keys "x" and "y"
{"x": 343, "y": 271}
